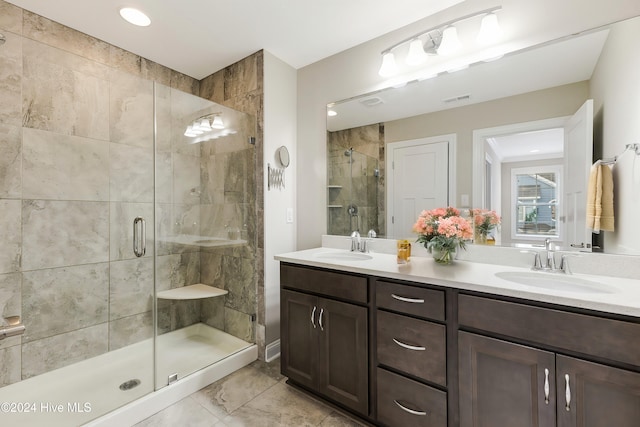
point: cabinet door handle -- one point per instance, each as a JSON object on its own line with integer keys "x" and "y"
{"x": 411, "y": 411}
{"x": 409, "y": 346}
{"x": 313, "y": 317}
{"x": 405, "y": 299}
{"x": 567, "y": 392}
{"x": 546, "y": 386}
{"x": 320, "y": 319}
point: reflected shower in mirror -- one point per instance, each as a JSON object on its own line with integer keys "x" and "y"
{"x": 353, "y": 180}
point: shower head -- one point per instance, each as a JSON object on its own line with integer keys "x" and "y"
{"x": 2, "y": 39}
{"x": 348, "y": 152}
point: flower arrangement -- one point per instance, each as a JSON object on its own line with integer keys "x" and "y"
{"x": 484, "y": 221}
{"x": 442, "y": 231}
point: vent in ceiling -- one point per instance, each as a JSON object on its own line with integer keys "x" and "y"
{"x": 459, "y": 98}
{"x": 371, "y": 101}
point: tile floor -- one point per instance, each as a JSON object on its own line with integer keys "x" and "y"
{"x": 255, "y": 396}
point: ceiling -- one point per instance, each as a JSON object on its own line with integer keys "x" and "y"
{"x": 200, "y": 37}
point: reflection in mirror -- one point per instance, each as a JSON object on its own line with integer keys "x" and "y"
{"x": 353, "y": 180}
{"x": 547, "y": 82}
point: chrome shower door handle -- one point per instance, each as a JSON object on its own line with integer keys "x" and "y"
{"x": 139, "y": 236}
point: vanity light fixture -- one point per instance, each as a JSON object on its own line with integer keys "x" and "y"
{"x": 441, "y": 40}
{"x": 135, "y": 17}
{"x": 204, "y": 124}
{"x": 331, "y": 113}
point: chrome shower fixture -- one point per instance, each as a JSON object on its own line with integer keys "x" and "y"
{"x": 2, "y": 39}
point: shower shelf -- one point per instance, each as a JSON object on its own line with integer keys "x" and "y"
{"x": 196, "y": 291}
{"x": 334, "y": 206}
{"x": 334, "y": 186}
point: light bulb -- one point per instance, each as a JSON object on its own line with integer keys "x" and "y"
{"x": 490, "y": 30}
{"x": 416, "y": 54}
{"x": 388, "y": 67}
{"x": 450, "y": 43}
{"x": 217, "y": 123}
{"x": 204, "y": 125}
{"x": 189, "y": 132}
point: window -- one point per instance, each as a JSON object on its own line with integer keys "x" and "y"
{"x": 536, "y": 202}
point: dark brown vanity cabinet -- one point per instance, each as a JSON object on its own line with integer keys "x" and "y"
{"x": 411, "y": 353}
{"x": 504, "y": 384}
{"x": 324, "y": 342}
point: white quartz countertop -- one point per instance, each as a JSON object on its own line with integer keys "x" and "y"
{"x": 618, "y": 295}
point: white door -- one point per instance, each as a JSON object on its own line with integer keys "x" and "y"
{"x": 418, "y": 180}
{"x": 578, "y": 157}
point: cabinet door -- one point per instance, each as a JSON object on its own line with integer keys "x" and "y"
{"x": 343, "y": 352}
{"x": 599, "y": 395}
{"x": 299, "y": 340}
{"x": 503, "y": 384}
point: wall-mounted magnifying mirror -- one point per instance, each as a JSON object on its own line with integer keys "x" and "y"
{"x": 282, "y": 154}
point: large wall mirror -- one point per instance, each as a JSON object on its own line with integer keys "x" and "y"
{"x": 492, "y": 124}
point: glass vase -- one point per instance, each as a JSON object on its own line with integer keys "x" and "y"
{"x": 444, "y": 256}
{"x": 479, "y": 237}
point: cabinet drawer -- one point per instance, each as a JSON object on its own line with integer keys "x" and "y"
{"x": 426, "y": 303}
{"x": 596, "y": 336}
{"x": 413, "y": 346}
{"x": 323, "y": 282}
{"x": 404, "y": 402}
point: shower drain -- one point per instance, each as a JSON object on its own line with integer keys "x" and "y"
{"x": 128, "y": 385}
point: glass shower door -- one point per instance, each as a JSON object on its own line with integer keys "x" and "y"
{"x": 206, "y": 246}
{"x": 80, "y": 170}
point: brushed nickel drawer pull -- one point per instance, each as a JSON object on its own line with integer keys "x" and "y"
{"x": 405, "y": 299}
{"x": 320, "y": 319}
{"x": 408, "y": 346}
{"x": 313, "y": 315}
{"x": 411, "y": 411}
{"x": 567, "y": 393}
{"x": 546, "y": 386}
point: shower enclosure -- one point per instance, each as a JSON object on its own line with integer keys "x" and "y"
{"x": 128, "y": 248}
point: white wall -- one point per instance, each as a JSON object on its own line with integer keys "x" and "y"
{"x": 617, "y": 111}
{"x": 354, "y": 72}
{"x": 279, "y": 129}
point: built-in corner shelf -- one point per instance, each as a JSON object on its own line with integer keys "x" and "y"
{"x": 334, "y": 186}
{"x": 334, "y": 206}
{"x": 196, "y": 291}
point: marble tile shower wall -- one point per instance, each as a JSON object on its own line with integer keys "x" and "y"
{"x": 76, "y": 164}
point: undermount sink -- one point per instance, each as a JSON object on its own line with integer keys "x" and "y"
{"x": 343, "y": 256}
{"x": 558, "y": 282}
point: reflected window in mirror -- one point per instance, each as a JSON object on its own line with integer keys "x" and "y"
{"x": 536, "y": 192}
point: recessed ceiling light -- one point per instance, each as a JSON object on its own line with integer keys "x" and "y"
{"x": 135, "y": 17}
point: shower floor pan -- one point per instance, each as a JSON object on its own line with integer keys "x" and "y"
{"x": 84, "y": 391}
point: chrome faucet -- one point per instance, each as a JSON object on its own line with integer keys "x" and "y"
{"x": 550, "y": 263}
{"x": 355, "y": 241}
{"x": 358, "y": 244}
